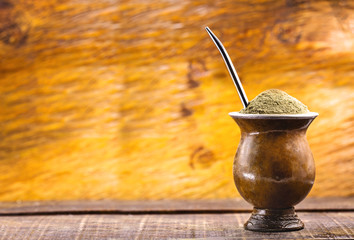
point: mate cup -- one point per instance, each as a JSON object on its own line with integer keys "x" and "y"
{"x": 273, "y": 168}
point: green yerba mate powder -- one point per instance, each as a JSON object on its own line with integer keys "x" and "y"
{"x": 275, "y": 101}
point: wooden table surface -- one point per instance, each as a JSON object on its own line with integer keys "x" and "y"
{"x": 324, "y": 218}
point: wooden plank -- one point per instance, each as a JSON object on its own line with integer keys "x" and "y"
{"x": 168, "y": 226}
{"x": 128, "y": 99}
{"x": 164, "y": 206}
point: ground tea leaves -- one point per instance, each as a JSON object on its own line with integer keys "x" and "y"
{"x": 275, "y": 101}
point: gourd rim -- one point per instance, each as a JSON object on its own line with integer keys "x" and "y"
{"x": 308, "y": 115}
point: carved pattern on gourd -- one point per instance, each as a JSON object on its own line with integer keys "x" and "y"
{"x": 275, "y": 221}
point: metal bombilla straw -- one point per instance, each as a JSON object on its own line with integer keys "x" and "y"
{"x": 230, "y": 67}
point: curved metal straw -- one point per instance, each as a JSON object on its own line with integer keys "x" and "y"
{"x": 230, "y": 67}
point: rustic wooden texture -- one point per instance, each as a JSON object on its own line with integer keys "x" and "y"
{"x": 161, "y": 220}
{"x": 168, "y": 226}
{"x": 164, "y": 206}
{"x": 129, "y": 99}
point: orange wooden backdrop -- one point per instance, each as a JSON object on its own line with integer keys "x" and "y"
{"x": 129, "y": 99}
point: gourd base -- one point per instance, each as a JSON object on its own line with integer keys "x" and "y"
{"x": 274, "y": 220}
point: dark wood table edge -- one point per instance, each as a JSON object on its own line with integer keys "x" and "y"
{"x": 217, "y": 206}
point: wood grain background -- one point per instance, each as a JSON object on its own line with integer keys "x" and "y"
{"x": 129, "y": 99}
